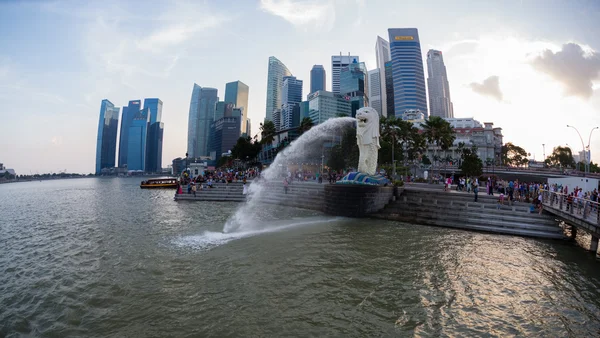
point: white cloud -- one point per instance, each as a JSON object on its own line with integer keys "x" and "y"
{"x": 489, "y": 87}
{"x": 575, "y": 67}
{"x": 320, "y": 14}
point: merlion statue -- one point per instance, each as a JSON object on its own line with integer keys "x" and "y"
{"x": 367, "y": 138}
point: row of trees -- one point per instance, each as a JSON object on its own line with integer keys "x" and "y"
{"x": 247, "y": 148}
{"x": 401, "y": 141}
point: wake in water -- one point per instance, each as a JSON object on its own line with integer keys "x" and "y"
{"x": 211, "y": 239}
{"x": 247, "y": 217}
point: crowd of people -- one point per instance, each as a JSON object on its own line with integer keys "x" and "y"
{"x": 193, "y": 184}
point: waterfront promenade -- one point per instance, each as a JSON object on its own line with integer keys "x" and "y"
{"x": 420, "y": 203}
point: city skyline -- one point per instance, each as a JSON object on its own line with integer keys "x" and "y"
{"x": 505, "y": 70}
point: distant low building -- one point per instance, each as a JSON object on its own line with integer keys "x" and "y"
{"x": 4, "y": 170}
{"x": 469, "y": 131}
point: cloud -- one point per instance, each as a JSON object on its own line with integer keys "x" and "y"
{"x": 573, "y": 66}
{"x": 319, "y": 14}
{"x": 489, "y": 87}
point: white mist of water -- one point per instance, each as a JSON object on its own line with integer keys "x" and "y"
{"x": 244, "y": 219}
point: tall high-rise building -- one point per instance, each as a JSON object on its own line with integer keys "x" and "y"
{"x": 277, "y": 119}
{"x": 136, "y": 139}
{"x": 224, "y": 134}
{"x": 106, "y": 143}
{"x": 155, "y": 105}
{"x": 291, "y": 96}
{"x": 389, "y": 88}
{"x": 248, "y": 127}
{"x": 337, "y": 63}
{"x": 237, "y": 93}
{"x": 277, "y": 70}
{"x": 323, "y": 105}
{"x": 317, "y": 78}
{"x": 154, "y": 139}
{"x": 127, "y": 116}
{"x": 407, "y": 71}
{"x": 375, "y": 91}
{"x": 382, "y": 55}
{"x": 354, "y": 85}
{"x": 202, "y": 113}
{"x": 438, "y": 86}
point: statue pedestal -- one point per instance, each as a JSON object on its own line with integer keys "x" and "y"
{"x": 356, "y": 200}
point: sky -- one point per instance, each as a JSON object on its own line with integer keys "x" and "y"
{"x": 531, "y": 67}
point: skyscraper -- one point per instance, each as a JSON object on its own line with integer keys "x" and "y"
{"x": 375, "y": 91}
{"x": 127, "y": 116}
{"x": 224, "y": 134}
{"x": 437, "y": 84}
{"x": 389, "y": 88}
{"x": 155, "y": 105}
{"x": 237, "y": 93}
{"x": 323, "y": 106}
{"x": 154, "y": 138}
{"x": 337, "y": 63}
{"x": 136, "y": 140}
{"x": 407, "y": 71}
{"x": 202, "y": 113}
{"x": 291, "y": 96}
{"x": 277, "y": 70}
{"x": 354, "y": 85}
{"x": 106, "y": 143}
{"x": 382, "y": 55}
{"x": 317, "y": 78}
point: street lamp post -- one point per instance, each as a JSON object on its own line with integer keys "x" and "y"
{"x": 544, "y": 152}
{"x": 585, "y": 157}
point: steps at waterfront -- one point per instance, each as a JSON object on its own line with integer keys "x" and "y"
{"x": 232, "y": 192}
{"x": 458, "y": 210}
{"x": 306, "y": 195}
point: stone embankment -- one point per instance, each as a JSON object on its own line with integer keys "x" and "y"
{"x": 458, "y": 210}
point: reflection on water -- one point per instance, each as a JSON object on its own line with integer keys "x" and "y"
{"x": 101, "y": 257}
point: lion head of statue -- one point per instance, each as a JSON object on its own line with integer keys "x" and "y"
{"x": 367, "y": 130}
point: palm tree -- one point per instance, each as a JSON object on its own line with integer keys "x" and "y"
{"x": 305, "y": 125}
{"x": 267, "y": 132}
{"x": 438, "y": 133}
{"x": 390, "y": 129}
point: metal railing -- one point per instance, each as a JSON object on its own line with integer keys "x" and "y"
{"x": 582, "y": 208}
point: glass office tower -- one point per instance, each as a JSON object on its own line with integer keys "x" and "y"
{"x": 277, "y": 70}
{"x": 127, "y": 116}
{"x": 202, "y": 113}
{"x": 106, "y": 142}
{"x": 291, "y": 96}
{"x": 317, "y": 78}
{"x": 354, "y": 85}
{"x": 136, "y": 139}
{"x": 407, "y": 71}
{"x": 155, "y": 135}
{"x": 237, "y": 93}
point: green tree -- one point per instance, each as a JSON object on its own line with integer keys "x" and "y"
{"x": 245, "y": 149}
{"x": 336, "y": 159}
{"x": 350, "y": 148}
{"x": 305, "y": 125}
{"x": 438, "y": 133}
{"x": 267, "y": 132}
{"x": 471, "y": 164}
{"x": 514, "y": 155}
{"x": 561, "y": 157}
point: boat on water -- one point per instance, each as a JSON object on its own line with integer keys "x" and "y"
{"x": 154, "y": 183}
